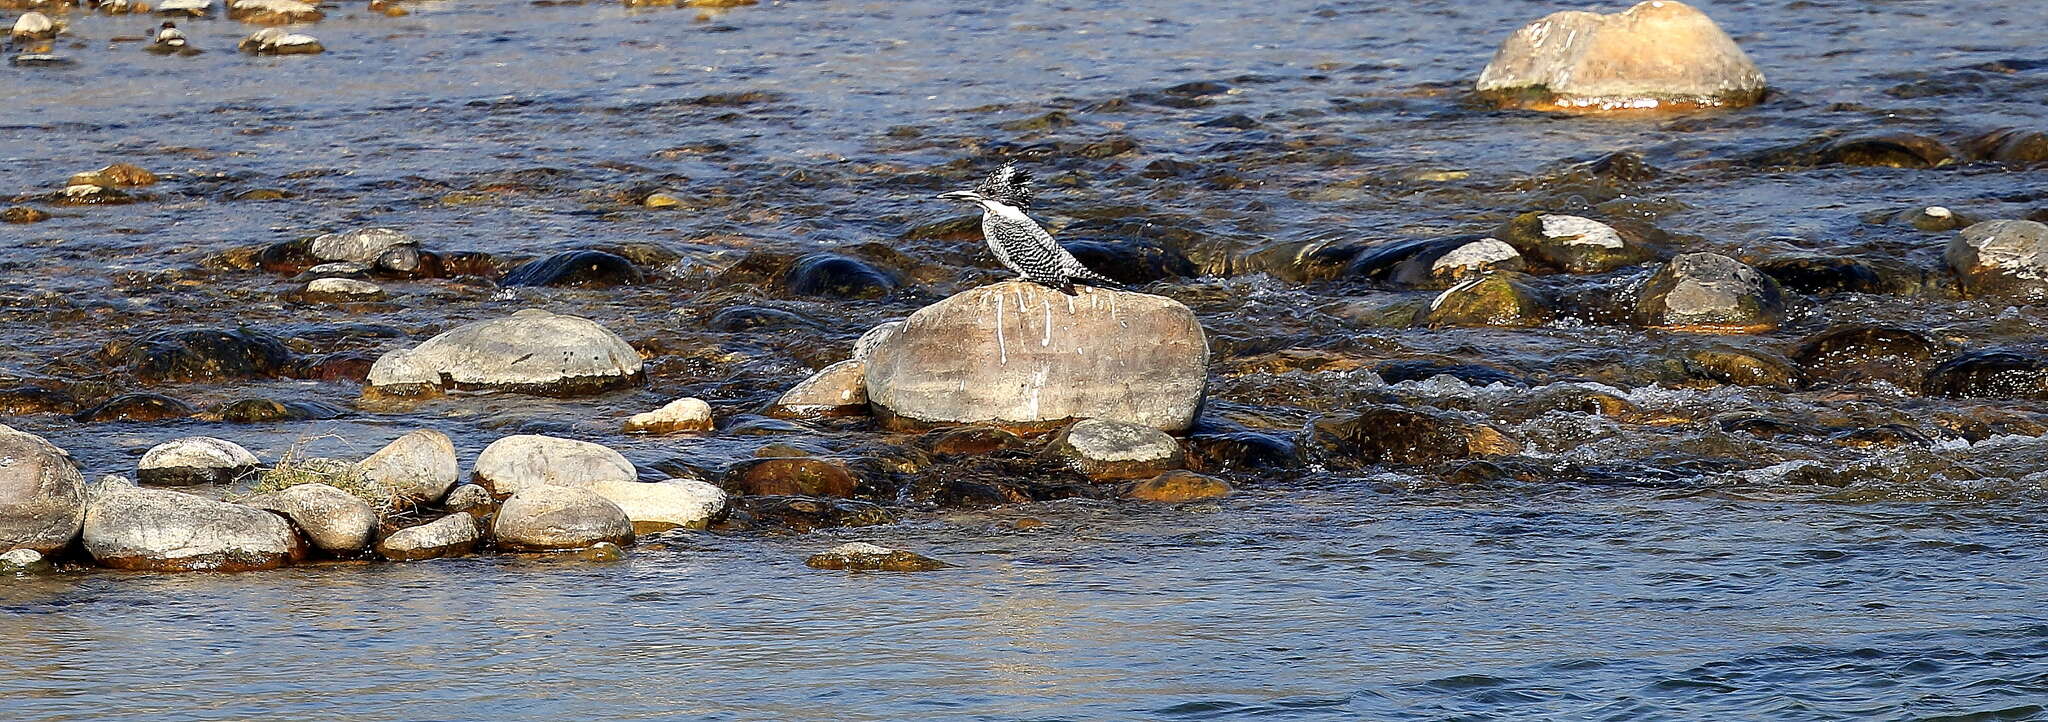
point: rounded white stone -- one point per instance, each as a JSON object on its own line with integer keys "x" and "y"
{"x": 1477, "y": 254}
{"x": 1580, "y": 231}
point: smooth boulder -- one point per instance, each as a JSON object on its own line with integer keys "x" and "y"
{"x": 681, "y": 415}
{"x": 42, "y": 496}
{"x": 362, "y": 245}
{"x": 1020, "y": 354}
{"x": 532, "y": 351}
{"x": 664, "y": 505}
{"x": 1104, "y": 450}
{"x": 1712, "y": 293}
{"x": 195, "y": 460}
{"x": 836, "y": 390}
{"x": 452, "y": 535}
{"x": 132, "y": 527}
{"x": 1660, "y": 54}
{"x": 516, "y": 463}
{"x": 419, "y": 467}
{"x": 548, "y": 518}
{"x": 2005, "y": 259}
{"x": 335, "y": 521}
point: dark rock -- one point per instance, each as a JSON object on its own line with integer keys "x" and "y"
{"x": 200, "y": 355}
{"x": 804, "y": 476}
{"x": 861, "y": 556}
{"x": 1432, "y": 263}
{"x": 137, "y": 407}
{"x": 1240, "y": 450}
{"x": 1236, "y": 121}
{"x": 1388, "y": 434}
{"x": 2010, "y": 145}
{"x": 1857, "y": 354}
{"x": 831, "y": 275}
{"x": 1395, "y": 372}
{"x": 1740, "y": 367}
{"x": 1710, "y": 292}
{"x": 973, "y": 441}
{"x": 1132, "y": 262}
{"x": 805, "y": 514}
{"x": 1994, "y": 374}
{"x": 1889, "y": 149}
{"x": 1888, "y": 435}
{"x": 25, "y": 400}
{"x": 746, "y": 318}
{"x": 258, "y": 411}
{"x": 588, "y": 269}
{"x": 23, "y": 214}
{"x": 338, "y": 366}
{"x": 1816, "y": 274}
{"x": 1575, "y": 244}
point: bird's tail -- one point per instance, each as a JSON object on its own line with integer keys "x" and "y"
{"x": 1091, "y": 278}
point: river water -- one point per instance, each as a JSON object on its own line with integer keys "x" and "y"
{"x": 1689, "y": 569}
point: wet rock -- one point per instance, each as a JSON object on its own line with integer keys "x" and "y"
{"x": 1858, "y": 354}
{"x": 585, "y": 269}
{"x": 42, "y": 496}
{"x": 90, "y": 195}
{"x": 548, "y": 518}
{"x": 747, "y": 318}
{"x": 419, "y": 467}
{"x": 335, "y": 521}
{"x": 2004, "y": 259}
{"x": 1240, "y": 450}
{"x": 1712, "y": 293}
{"x": 1994, "y": 374}
{"x": 261, "y": 411}
{"x": 1573, "y": 244}
{"x": 1177, "y": 487}
{"x": 25, "y": 400}
{"x": 836, "y": 390}
{"x": 793, "y": 476}
{"x": 516, "y": 463}
{"x": 532, "y": 351}
{"x": 1816, "y": 274}
{"x": 273, "y": 41}
{"x": 340, "y": 290}
{"x": 272, "y": 12}
{"x": 185, "y": 8}
{"x": 831, "y": 275}
{"x": 471, "y": 498}
{"x": 1021, "y": 354}
{"x": 195, "y": 460}
{"x": 972, "y": 441}
{"x": 805, "y": 514}
{"x": 1404, "y": 370}
{"x": 448, "y": 536}
{"x": 2010, "y": 145}
{"x": 24, "y": 562}
{"x": 33, "y": 26}
{"x": 1495, "y": 299}
{"x": 1132, "y": 262}
{"x": 1888, "y": 149}
{"x": 862, "y": 556}
{"x": 1393, "y": 435}
{"x": 1105, "y": 450}
{"x": 1741, "y": 367}
{"x": 664, "y": 505}
{"x": 23, "y": 214}
{"x": 117, "y": 175}
{"x": 361, "y": 245}
{"x": 1661, "y": 54}
{"x": 1432, "y": 263}
{"x": 137, "y": 407}
{"x": 1933, "y": 219}
{"x": 130, "y": 527}
{"x": 681, "y": 415}
{"x": 201, "y": 355}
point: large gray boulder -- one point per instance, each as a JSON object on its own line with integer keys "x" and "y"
{"x": 194, "y": 460}
{"x": 547, "y": 518}
{"x": 516, "y": 463}
{"x": 42, "y": 496}
{"x": 132, "y": 527}
{"x": 1023, "y": 355}
{"x": 531, "y": 351}
{"x": 1660, "y": 54}
{"x": 419, "y": 467}
{"x": 2002, "y": 259}
{"x": 452, "y": 535}
{"x": 336, "y": 521}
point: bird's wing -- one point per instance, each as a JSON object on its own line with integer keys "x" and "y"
{"x": 1030, "y": 248}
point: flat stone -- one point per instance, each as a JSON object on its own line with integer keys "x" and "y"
{"x": 530, "y": 351}
{"x": 1105, "y": 449}
{"x": 362, "y": 245}
{"x": 664, "y": 505}
{"x": 195, "y": 460}
{"x": 448, "y": 536}
{"x": 516, "y": 463}
{"x": 130, "y": 527}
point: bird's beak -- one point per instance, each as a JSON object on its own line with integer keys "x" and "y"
{"x": 963, "y": 196}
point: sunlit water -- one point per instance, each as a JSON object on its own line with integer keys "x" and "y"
{"x": 1669, "y": 573}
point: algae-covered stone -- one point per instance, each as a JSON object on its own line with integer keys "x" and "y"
{"x": 1379, "y": 434}
{"x": 1712, "y": 293}
{"x": 862, "y": 556}
{"x": 1495, "y": 299}
{"x": 1574, "y": 244}
{"x": 2005, "y": 259}
{"x": 1176, "y": 487}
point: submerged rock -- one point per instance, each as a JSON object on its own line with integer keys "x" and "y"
{"x": 1888, "y": 149}
{"x": 803, "y": 514}
{"x": 1393, "y": 435}
{"x": 664, "y": 505}
{"x": 336, "y": 521}
{"x": 1105, "y": 450}
{"x": 793, "y": 476}
{"x": 419, "y": 467}
{"x": 1021, "y": 354}
{"x": 836, "y": 390}
{"x": 1177, "y": 487}
{"x": 195, "y": 460}
{"x": 681, "y": 415}
{"x": 1434, "y": 262}
{"x": 332, "y": 290}
{"x": 130, "y": 527}
{"x": 42, "y": 496}
{"x": 2002, "y": 259}
{"x": 448, "y": 536}
{"x": 548, "y": 518}
{"x": 862, "y": 556}
{"x": 1660, "y": 54}
{"x": 1993, "y": 374}
{"x": 2010, "y": 145}
{"x": 587, "y": 269}
{"x": 1859, "y": 354}
{"x": 200, "y": 355}
{"x": 137, "y": 407}
{"x": 1817, "y": 274}
{"x": 532, "y": 351}
{"x": 1573, "y": 244}
{"x": 115, "y": 175}
{"x": 1710, "y": 292}
{"x": 516, "y": 463}
{"x": 835, "y": 276}
{"x": 23, "y": 214}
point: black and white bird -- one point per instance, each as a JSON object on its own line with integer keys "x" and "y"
{"x": 169, "y": 39}
{"x": 1017, "y": 240}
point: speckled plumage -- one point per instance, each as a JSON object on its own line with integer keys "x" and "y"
{"x": 1018, "y": 242}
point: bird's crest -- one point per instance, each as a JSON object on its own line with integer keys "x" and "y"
{"x": 1007, "y": 184}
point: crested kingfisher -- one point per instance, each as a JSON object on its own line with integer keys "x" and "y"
{"x": 1016, "y": 240}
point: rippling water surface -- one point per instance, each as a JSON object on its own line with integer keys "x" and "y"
{"x": 1682, "y": 570}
